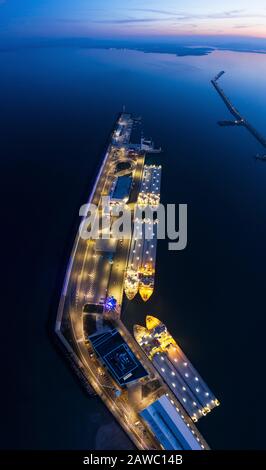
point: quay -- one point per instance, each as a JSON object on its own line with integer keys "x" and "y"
{"x": 239, "y": 119}
{"x": 105, "y": 355}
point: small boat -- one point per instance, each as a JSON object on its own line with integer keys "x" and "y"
{"x": 148, "y": 146}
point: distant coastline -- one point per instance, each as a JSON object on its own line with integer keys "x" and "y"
{"x": 179, "y": 47}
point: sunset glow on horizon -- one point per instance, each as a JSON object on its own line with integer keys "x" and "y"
{"x": 121, "y": 18}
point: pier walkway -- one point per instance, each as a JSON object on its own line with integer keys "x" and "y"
{"x": 240, "y": 120}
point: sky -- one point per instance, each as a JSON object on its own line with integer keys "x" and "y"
{"x": 132, "y": 18}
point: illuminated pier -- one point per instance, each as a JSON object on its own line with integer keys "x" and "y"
{"x": 88, "y": 324}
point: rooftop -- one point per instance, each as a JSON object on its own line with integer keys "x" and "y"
{"x": 122, "y": 188}
{"x": 168, "y": 426}
{"x": 120, "y": 361}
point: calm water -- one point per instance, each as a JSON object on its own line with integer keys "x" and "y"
{"x": 57, "y": 109}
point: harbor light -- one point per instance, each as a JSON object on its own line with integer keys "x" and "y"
{"x": 110, "y": 303}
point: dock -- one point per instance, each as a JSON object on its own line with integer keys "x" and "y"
{"x": 239, "y": 119}
{"x": 103, "y": 353}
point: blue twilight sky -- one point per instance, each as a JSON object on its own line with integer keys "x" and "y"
{"x": 129, "y": 18}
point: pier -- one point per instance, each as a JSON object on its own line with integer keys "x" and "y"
{"x": 239, "y": 119}
{"x": 103, "y": 353}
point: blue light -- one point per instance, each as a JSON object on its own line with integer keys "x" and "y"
{"x": 110, "y": 303}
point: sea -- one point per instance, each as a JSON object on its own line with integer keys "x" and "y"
{"x": 58, "y": 107}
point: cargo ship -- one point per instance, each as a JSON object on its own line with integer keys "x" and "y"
{"x": 140, "y": 272}
{"x": 175, "y": 368}
{"x": 147, "y": 266}
{"x": 132, "y": 277}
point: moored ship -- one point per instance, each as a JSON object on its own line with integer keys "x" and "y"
{"x": 175, "y": 368}
{"x": 140, "y": 272}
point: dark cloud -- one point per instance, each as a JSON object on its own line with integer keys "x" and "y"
{"x": 226, "y": 14}
{"x": 130, "y": 20}
{"x": 153, "y": 10}
{"x": 178, "y": 16}
{"x": 70, "y": 20}
{"x": 184, "y": 15}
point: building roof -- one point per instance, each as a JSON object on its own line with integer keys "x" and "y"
{"x": 119, "y": 359}
{"x": 168, "y": 426}
{"x": 122, "y": 187}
